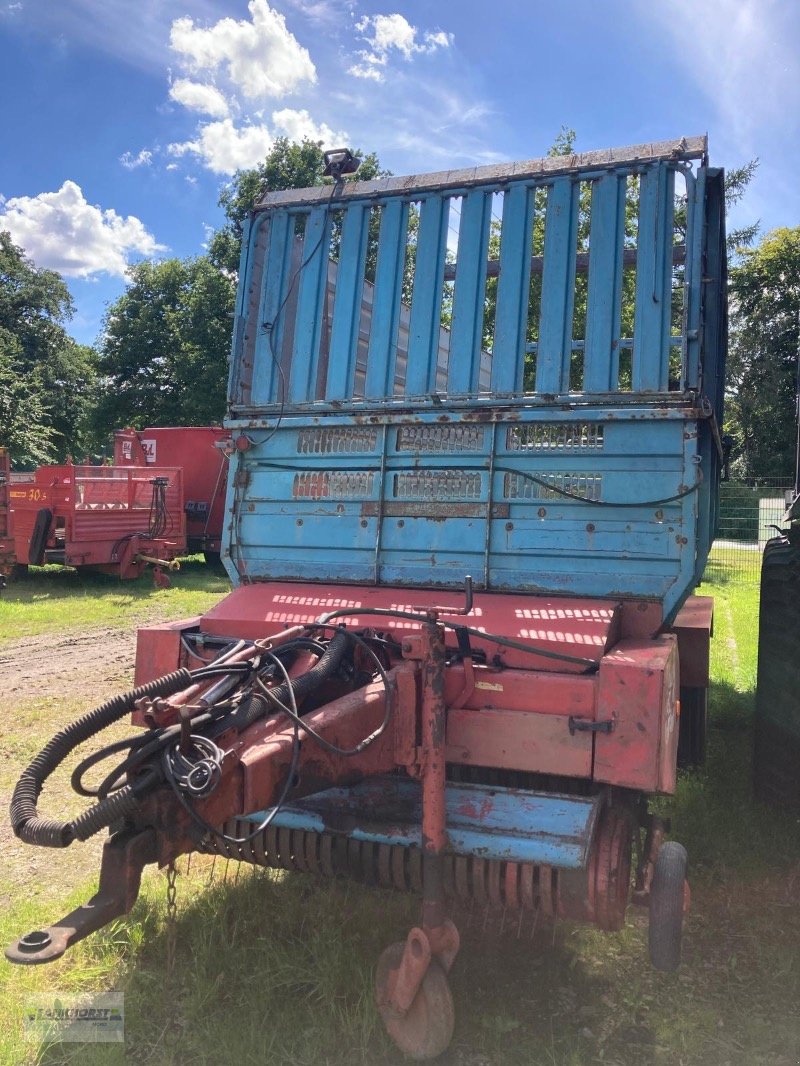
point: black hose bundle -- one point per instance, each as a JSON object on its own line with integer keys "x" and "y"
{"x": 49, "y": 833}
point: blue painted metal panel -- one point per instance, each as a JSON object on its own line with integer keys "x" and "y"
{"x": 387, "y": 299}
{"x": 511, "y": 318}
{"x": 311, "y": 283}
{"x": 347, "y": 304}
{"x": 558, "y": 288}
{"x": 652, "y": 324}
{"x": 466, "y": 340}
{"x": 604, "y": 303}
{"x": 426, "y": 300}
{"x": 497, "y": 823}
{"x": 464, "y": 481}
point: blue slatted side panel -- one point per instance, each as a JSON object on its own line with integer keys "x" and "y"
{"x": 606, "y": 245}
{"x": 466, "y": 339}
{"x": 387, "y": 298}
{"x": 696, "y": 191}
{"x": 653, "y": 280}
{"x": 426, "y": 301}
{"x": 266, "y": 385}
{"x": 239, "y": 323}
{"x": 511, "y": 317}
{"x": 347, "y": 303}
{"x": 558, "y": 288}
{"x": 311, "y": 291}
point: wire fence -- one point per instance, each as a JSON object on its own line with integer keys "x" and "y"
{"x": 748, "y": 516}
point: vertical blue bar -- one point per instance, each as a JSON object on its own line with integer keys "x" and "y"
{"x": 311, "y": 290}
{"x": 386, "y": 300}
{"x": 237, "y": 340}
{"x": 466, "y": 337}
{"x": 604, "y": 301}
{"x": 513, "y": 288}
{"x": 558, "y": 288}
{"x": 347, "y": 303}
{"x": 693, "y": 277}
{"x": 426, "y": 299}
{"x": 268, "y": 342}
{"x": 651, "y": 330}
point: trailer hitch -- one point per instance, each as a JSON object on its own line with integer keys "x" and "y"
{"x": 125, "y": 856}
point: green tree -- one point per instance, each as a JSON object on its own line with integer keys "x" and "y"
{"x": 763, "y": 355}
{"x": 287, "y": 166}
{"x": 164, "y": 349}
{"x": 47, "y": 381}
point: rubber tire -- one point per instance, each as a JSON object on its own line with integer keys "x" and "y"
{"x": 41, "y": 531}
{"x": 426, "y": 1031}
{"x": 692, "y": 727}
{"x": 776, "y": 757}
{"x": 666, "y": 907}
{"x": 19, "y": 571}
{"x": 212, "y": 558}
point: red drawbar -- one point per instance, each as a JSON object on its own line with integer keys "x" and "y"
{"x": 581, "y": 627}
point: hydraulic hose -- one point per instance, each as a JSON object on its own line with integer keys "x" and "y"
{"x": 50, "y": 833}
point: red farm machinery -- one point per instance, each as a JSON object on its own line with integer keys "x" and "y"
{"x": 201, "y": 454}
{"x": 115, "y": 520}
{"x": 7, "y": 556}
{"x": 471, "y": 492}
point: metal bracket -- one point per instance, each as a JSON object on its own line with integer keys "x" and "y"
{"x": 586, "y": 725}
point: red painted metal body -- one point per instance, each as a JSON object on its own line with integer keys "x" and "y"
{"x": 99, "y": 517}
{"x": 7, "y": 556}
{"x": 194, "y": 449}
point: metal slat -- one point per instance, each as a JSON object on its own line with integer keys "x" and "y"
{"x": 426, "y": 300}
{"x": 604, "y": 303}
{"x": 466, "y": 339}
{"x": 386, "y": 300}
{"x": 696, "y": 191}
{"x": 511, "y": 317}
{"x": 268, "y": 345}
{"x": 347, "y": 303}
{"x": 653, "y": 281}
{"x": 311, "y": 282}
{"x": 558, "y": 288}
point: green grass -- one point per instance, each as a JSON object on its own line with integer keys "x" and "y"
{"x": 52, "y": 598}
{"x": 275, "y": 968}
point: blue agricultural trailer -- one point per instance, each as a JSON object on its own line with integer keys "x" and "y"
{"x": 474, "y": 423}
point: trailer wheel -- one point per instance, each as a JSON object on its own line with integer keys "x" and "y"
{"x": 212, "y": 559}
{"x": 41, "y": 531}
{"x": 667, "y": 893}
{"x": 692, "y": 727}
{"x": 427, "y": 1028}
{"x": 17, "y": 573}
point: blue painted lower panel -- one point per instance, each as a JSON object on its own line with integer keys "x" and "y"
{"x": 492, "y": 823}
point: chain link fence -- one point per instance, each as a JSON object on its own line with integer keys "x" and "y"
{"x": 748, "y": 517}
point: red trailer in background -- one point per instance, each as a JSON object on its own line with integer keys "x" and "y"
{"x": 7, "y": 556}
{"x": 199, "y": 453}
{"x": 115, "y": 520}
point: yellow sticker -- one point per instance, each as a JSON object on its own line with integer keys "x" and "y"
{"x": 489, "y": 685}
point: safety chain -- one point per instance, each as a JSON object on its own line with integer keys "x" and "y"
{"x": 172, "y": 923}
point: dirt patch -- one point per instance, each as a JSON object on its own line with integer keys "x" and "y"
{"x": 67, "y": 664}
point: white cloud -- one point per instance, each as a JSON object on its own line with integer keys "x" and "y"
{"x": 225, "y": 148}
{"x": 387, "y": 34}
{"x": 63, "y": 232}
{"x": 199, "y": 97}
{"x": 299, "y": 126}
{"x": 131, "y": 162}
{"x": 261, "y": 57}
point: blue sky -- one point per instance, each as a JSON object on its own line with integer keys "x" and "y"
{"x": 122, "y": 120}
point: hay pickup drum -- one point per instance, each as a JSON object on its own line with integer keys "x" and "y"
{"x": 474, "y": 483}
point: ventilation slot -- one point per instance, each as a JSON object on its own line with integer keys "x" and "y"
{"x": 584, "y": 486}
{"x": 438, "y": 485}
{"x": 555, "y": 436}
{"x": 323, "y": 485}
{"x": 331, "y": 441}
{"x": 440, "y": 438}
